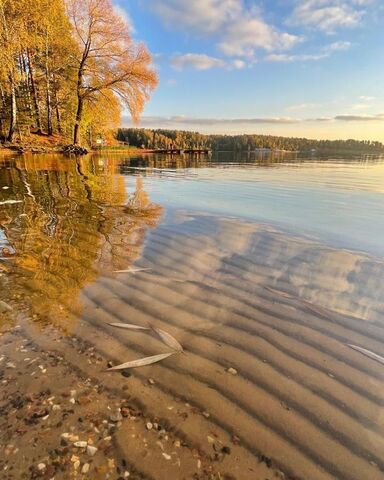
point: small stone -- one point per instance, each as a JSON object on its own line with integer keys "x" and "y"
{"x": 149, "y": 426}
{"x": 76, "y": 465}
{"x": 151, "y": 381}
{"x": 226, "y": 450}
{"x": 41, "y": 466}
{"x": 81, "y": 444}
{"x": 206, "y": 414}
{"x": 10, "y": 365}
{"x": 126, "y": 474}
{"x": 166, "y": 456}
{"x": 85, "y": 468}
{"x": 4, "y": 307}
{"x": 74, "y": 458}
{"x": 232, "y": 371}
{"x": 117, "y": 417}
{"x": 72, "y": 400}
{"x": 91, "y": 451}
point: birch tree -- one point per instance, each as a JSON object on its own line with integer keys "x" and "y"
{"x": 108, "y": 60}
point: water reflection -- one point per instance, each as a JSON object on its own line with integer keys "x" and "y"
{"x": 72, "y": 220}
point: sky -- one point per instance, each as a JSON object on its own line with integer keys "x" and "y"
{"x": 303, "y": 68}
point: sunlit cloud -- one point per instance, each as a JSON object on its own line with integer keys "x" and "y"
{"x": 200, "y": 61}
{"x": 181, "y": 121}
{"x": 365, "y": 98}
{"x": 246, "y": 35}
{"x": 205, "y": 16}
{"x": 361, "y": 118}
{"x": 325, "y": 52}
{"x": 197, "y": 61}
{"x": 238, "y": 29}
{"x": 329, "y": 15}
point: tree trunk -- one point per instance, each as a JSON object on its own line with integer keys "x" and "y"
{"x": 34, "y": 94}
{"x": 13, "y": 119}
{"x": 48, "y": 88}
{"x": 3, "y": 107}
{"x": 79, "y": 114}
{"x": 58, "y": 119}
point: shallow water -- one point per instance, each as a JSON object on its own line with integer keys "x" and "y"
{"x": 271, "y": 266}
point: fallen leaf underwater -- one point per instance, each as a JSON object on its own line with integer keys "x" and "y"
{"x": 166, "y": 337}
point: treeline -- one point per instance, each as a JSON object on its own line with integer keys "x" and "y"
{"x": 68, "y": 67}
{"x": 160, "y": 139}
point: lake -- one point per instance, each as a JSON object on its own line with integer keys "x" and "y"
{"x": 266, "y": 268}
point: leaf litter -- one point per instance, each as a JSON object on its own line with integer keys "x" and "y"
{"x": 166, "y": 338}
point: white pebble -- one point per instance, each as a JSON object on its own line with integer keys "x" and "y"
{"x": 80, "y": 444}
{"x": 91, "y": 450}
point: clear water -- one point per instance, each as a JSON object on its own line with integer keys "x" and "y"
{"x": 339, "y": 201}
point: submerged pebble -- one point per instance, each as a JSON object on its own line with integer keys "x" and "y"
{"x": 232, "y": 371}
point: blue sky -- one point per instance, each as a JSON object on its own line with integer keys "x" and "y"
{"x": 310, "y": 68}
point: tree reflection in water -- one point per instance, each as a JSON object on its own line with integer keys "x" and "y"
{"x": 76, "y": 221}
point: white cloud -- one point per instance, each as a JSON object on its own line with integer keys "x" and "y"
{"x": 244, "y": 36}
{"x": 197, "y": 61}
{"x": 184, "y": 122}
{"x": 283, "y": 57}
{"x": 361, "y": 118}
{"x": 238, "y": 64}
{"x": 241, "y": 30}
{"x": 200, "y": 61}
{"x": 337, "y": 46}
{"x": 325, "y": 52}
{"x": 365, "y": 98}
{"x": 329, "y": 15}
{"x": 203, "y": 15}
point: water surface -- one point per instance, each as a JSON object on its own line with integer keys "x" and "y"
{"x": 271, "y": 266}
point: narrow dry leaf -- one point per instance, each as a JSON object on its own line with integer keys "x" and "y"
{"x": 368, "y": 353}
{"x": 132, "y": 270}
{"x": 168, "y": 339}
{"x": 128, "y": 326}
{"x": 141, "y": 362}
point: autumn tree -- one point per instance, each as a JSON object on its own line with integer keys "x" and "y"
{"x": 36, "y": 54}
{"x": 109, "y": 62}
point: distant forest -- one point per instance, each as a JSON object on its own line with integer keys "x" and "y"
{"x": 161, "y": 139}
